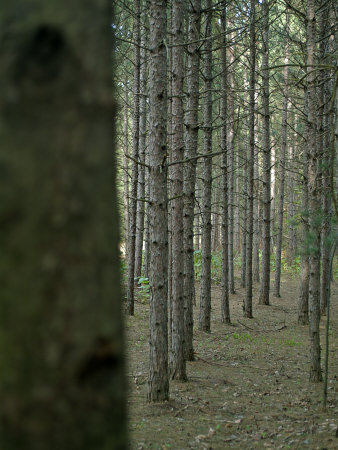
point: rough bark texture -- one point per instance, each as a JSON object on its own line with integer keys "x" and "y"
{"x": 205, "y": 293}
{"x": 134, "y": 165}
{"x": 237, "y": 224}
{"x": 303, "y": 301}
{"x": 177, "y": 363}
{"x": 61, "y": 380}
{"x": 225, "y": 309}
{"x": 191, "y": 118}
{"x": 266, "y": 195}
{"x": 126, "y": 167}
{"x": 291, "y": 180}
{"x": 142, "y": 153}
{"x": 256, "y": 211}
{"x": 244, "y": 224}
{"x": 281, "y": 167}
{"x": 247, "y": 309}
{"x": 230, "y": 156}
{"x": 325, "y": 45}
{"x": 314, "y": 200}
{"x": 158, "y": 384}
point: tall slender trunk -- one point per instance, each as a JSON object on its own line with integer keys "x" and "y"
{"x": 244, "y": 222}
{"x": 281, "y": 167}
{"x": 230, "y": 116}
{"x": 225, "y": 308}
{"x": 205, "y": 293}
{"x": 325, "y": 45}
{"x": 146, "y": 224}
{"x": 274, "y": 193}
{"x": 314, "y": 199}
{"x": 170, "y": 169}
{"x": 142, "y": 153}
{"x": 292, "y": 234}
{"x": 197, "y": 228}
{"x": 177, "y": 360}
{"x": 215, "y": 225}
{"x": 126, "y": 166}
{"x": 134, "y": 173}
{"x": 158, "y": 384}
{"x": 251, "y": 155}
{"x": 303, "y": 301}
{"x": 193, "y": 65}
{"x": 244, "y": 209}
{"x": 237, "y": 226}
{"x": 256, "y": 215}
{"x": 265, "y": 279}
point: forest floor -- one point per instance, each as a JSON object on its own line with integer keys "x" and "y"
{"x": 247, "y": 389}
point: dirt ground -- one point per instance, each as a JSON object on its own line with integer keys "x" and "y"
{"x": 247, "y": 389}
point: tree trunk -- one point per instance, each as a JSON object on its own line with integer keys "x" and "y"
{"x": 292, "y": 235}
{"x": 265, "y": 279}
{"x": 62, "y": 381}
{"x": 237, "y": 234}
{"x": 142, "y": 152}
{"x": 281, "y": 167}
{"x": 134, "y": 165}
{"x": 314, "y": 200}
{"x": 256, "y": 215}
{"x": 126, "y": 167}
{"x": 215, "y": 226}
{"x": 230, "y": 158}
{"x": 251, "y": 154}
{"x": 303, "y": 301}
{"x": 158, "y": 384}
{"x": 244, "y": 224}
{"x": 205, "y": 293}
{"x": 325, "y": 45}
{"x": 225, "y": 308}
{"x": 177, "y": 363}
{"x": 193, "y": 65}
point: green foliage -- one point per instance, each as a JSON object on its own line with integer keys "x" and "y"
{"x": 292, "y": 343}
{"x": 216, "y": 267}
{"x": 197, "y": 263}
{"x": 292, "y": 269}
{"x": 143, "y": 288}
{"x": 245, "y": 337}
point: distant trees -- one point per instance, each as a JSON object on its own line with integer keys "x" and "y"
{"x": 249, "y": 123}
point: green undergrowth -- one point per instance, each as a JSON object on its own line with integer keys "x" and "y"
{"x": 216, "y": 265}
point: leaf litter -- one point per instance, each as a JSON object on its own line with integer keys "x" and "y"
{"x": 248, "y": 387}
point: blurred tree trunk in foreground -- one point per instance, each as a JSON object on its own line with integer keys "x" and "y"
{"x": 61, "y": 377}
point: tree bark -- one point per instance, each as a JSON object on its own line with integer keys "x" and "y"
{"x": 62, "y": 381}
{"x": 292, "y": 235}
{"x": 142, "y": 152}
{"x": 191, "y": 118}
{"x": 303, "y": 301}
{"x": 158, "y": 384}
{"x": 178, "y": 362}
{"x": 281, "y": 167}
{"x": 256, "y": 213}
{"x": 237, "y": 227}
{"x": 225, "y": 308}
{"x": 126, "y": 167}
{"x": 230, "y": 158}
{"x": 205, "y": 293}
{"x": 314, "y": 200}
{"x": 134, "y": 165}
{"x": 265, "y": 278}
{"x": 251, "y": 154}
